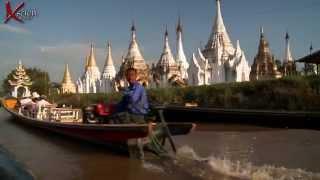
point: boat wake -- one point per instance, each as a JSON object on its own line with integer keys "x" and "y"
{"x": 214, "y": 168}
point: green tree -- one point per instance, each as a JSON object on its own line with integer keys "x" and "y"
{"x": 40, "y": 81}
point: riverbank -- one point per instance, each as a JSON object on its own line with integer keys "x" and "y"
{"x": 295, "y": 93}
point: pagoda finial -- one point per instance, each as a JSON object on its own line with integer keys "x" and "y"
{"x": 108, "y": 45}
{"x": 311, "y": 48}
{"x": 133, "y": 31}
{"x": 261, "y": 32}
{"x": 166, "y": 38}
{"x": 179, "y": 26}
{"x": 20, "y": 66}
{"x": 287, "y": 36}
{"x": 287, "y": 55}
{"x": 166, "y": 33}
{"x": 133, "y": 27}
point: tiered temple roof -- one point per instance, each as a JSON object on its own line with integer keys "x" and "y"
{"x": 264, "y": 66}
{"x": 219, "y": 36}
{"x": 20, "y": 77}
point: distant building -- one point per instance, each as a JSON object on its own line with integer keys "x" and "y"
{"x": 219, "y": 61}
{"x": 67, "y": 85}
{"x": 288, "y": 67}
{"x": 167, "y": 71}
{"x": 20, "y": 82}
{"x": 264, "y": 66}
{"x": 313, "y": 59}
{"x": 90, "y": 82}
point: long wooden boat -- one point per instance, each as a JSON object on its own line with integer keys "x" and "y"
{"x": 109, "y": 134}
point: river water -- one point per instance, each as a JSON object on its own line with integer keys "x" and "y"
{"x": 212, "y": 152}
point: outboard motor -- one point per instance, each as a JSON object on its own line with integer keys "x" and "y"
{"x": 88, "y": 115}
{"x": 97, "y": 113}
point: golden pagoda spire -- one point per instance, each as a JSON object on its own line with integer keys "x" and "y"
{"x": 92, "y": 59}
{"x": 67, "y": 85}
{"x": 66, "y": 77}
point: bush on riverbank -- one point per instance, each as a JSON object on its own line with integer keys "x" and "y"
{"x": 290, "y": 93}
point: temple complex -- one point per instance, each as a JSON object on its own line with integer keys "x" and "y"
{"x": 218, "y": 62}
{"x": 264, "y": 66}
{"x": 67, "y": 85}
{"x": 20, "y": 82}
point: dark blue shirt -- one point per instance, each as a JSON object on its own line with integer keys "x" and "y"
{"x": 135, "y": 100}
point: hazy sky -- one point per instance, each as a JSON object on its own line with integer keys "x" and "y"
{"x": 64, "y": 29}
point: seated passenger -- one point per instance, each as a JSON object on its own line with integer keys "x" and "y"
{"x": 41, "y": 105}
{"x": 42, "y": 102}
{"x": 134, "y": 105}
{"x": 25, "y": 101}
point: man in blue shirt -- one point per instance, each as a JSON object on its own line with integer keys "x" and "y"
{"x": 134, "y": 103}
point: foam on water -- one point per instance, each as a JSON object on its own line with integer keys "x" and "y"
{"x": 237, "y": 170}
{"x": 153, "y": 167}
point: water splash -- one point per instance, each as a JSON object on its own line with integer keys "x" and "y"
{"x": 153, "y": 167}
{"x": 218, "y": 168}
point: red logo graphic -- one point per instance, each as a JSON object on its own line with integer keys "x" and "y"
{"x": 12, "y": 14}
